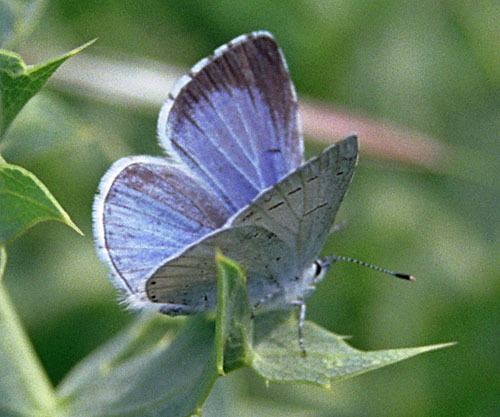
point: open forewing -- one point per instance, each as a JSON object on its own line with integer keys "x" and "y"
{"x": 233, "y": 119}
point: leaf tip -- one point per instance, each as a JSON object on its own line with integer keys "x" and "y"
{"x": 219, "y": 257}
{"x": 440, "y": 346}
{"x": 59, "y": 60}
{"x": 68, "y": 222}
{"x": 222, "y": 260}
{"x": 76, "y": 229}
{"x": 76, "y": 51}
{"x": 84, "y": 46}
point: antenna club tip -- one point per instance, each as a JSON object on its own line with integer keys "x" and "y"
{"x": 408, "y": 277}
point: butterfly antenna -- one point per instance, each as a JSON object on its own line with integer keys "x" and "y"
{"x": 401, "y": 275}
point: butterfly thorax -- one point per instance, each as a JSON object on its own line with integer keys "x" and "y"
{"x": 293, "y": 291}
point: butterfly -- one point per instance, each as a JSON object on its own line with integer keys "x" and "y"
{"x": 234, "y": 179}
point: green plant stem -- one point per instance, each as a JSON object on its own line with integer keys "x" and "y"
{"x": 2, "y": 160}
{"x": 21, "y": 354}
{"x": 3, "y": 260}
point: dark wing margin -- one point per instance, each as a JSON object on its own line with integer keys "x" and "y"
{"x": 148, "y": 209}
{"x": 233, "y": 119}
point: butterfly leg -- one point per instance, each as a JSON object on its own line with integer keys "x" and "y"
{"x": 302, "y": 319}
{"x": 338, "y": 227}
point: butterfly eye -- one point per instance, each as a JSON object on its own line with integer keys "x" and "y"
{"x": 318, "y": 268}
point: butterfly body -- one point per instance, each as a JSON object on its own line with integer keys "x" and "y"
{"x": 234, "y": 180}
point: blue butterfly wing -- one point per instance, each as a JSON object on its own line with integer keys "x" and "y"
{"x": 147, "y": 210}
{"x": 233, "y": 120}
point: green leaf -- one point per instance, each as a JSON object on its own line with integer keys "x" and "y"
{"x": 152, "y": 369}
{"x": 234, "y": 324}
{"x": 19, "y": 82}
{"x": 275, "y": 353}
{"x": 277, "y": 356}
{"x": 17, "y": 19}
{"x": 24, "y": 202}
{"x": 24, "y": 387}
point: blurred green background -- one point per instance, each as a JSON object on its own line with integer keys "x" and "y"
{"x": 430, "y": 66}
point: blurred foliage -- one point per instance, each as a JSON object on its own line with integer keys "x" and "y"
{"x": 17, "y": 20}
{"x": 154, "y": 368}
{"x": 432, "y": 66}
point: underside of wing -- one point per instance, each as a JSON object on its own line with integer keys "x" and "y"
{"x": 149, "y": 209}
{"x": 233, "y": 119}
{"x": 301, "y": 208}
{"x": 186, "y": 284}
